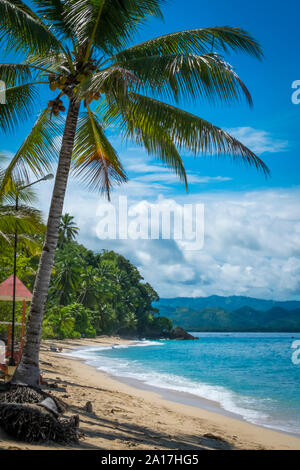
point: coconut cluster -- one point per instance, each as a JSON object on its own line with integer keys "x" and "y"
{"x": 68, "y": 85}
{"x": 56, "y": 106}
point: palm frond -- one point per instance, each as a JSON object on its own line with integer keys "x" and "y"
{"x": 26, "y": 221}
{"x": 19, "y": 106}
{"x": 186, "y": 131}
{"x": 54, "y": 62}
{"x": 188, "y": 76}
{"x": 22, "y": 30}
{"x": 95, "y": 161}
{"x": 196, "y": 41}
{"x": 159, "y": 144}
{"x": 16, "y": 74}
{"x": 36, "y": 154}
{"x": 115, "y": 82}
{"x": 26, "y": 196}
{"x": 154, "y": 139}
{"x": 54, "y": 12}
{"x": 118, "y": 22}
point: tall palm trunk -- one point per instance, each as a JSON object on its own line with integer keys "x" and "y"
{"x": 28, "y": 369}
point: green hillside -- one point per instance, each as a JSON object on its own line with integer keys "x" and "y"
{"x": 246, "y": 318}
{"x": 233, "y": 302}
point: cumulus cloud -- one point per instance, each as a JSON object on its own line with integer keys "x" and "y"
{"x": 259, "y": 141}
{"x": 251, "y": 245}
{"x": 144, "y": 172}
{"x": 252, "y": 239}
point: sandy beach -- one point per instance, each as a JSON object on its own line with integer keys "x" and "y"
{"x": 125, "y": 417}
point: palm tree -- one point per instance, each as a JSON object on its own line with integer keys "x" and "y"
{"x": 82, "y": 50}
{"x": 26, "y": 221}
{"x": 67, "y": 229}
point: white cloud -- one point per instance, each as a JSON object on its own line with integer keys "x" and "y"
{"x": 173, "y": 178}
{"x": 144, "y": 172}
{"x": 251, "y": 247}
{"x": 259, "y": 141}
{"x": 252, "y": 239}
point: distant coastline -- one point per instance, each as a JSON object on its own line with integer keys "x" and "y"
{"x": 232, "y": 314}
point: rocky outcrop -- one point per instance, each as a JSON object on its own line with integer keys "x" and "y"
{"x": 180, "y": 334}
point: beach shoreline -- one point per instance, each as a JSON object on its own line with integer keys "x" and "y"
{"x": 127, "y": 416}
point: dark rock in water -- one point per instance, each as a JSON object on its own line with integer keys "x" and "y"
{"x": 180, "y": 333}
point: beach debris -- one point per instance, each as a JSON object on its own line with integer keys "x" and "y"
{"x": 23, "y": 394}
{"x": 34, "y": 423}
{"x": 214, "y": 437}
{"x": 33, "y": 415}
{"x": 50, "y": 405}
{"x": 53, "y": 385}
{"x": 43, "y": 381}
{"x": 88, "y": 407}
{"x": 46, "y": 363}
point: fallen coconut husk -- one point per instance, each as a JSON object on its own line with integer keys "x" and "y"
{"x": 34, "y": 423}
{"x": 23, "y": 394}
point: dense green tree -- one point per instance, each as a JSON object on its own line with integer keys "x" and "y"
{"x": 60, "y": 323}
{"x": 67, "y": 270}
{"x": 102, "y": 291}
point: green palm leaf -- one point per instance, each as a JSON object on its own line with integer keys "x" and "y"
{"x": 27, "y": 221}
{"x": 153, "y": 138}
{"x": 116, "y": 82}
{"x": 188, "y": 76}
{"x": 55, "y": 11}
{"x": 23, "y": 30}
{"x": 19, "y": 106}
{"x": 54, "y": 62}
{"x": 159, "y": 144}
{"x": 36, "y": 154}
{"x": 16, "y": 74}
{"x": 94, "y": 159}
{"x": 186, "y": 131}
{"x": 196, "y": 41}
{"x": 110, "y": 24}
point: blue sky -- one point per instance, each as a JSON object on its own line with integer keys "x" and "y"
{"x": 252, "y": 224}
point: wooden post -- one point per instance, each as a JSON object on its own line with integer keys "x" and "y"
{"x": 23, "y": 327}
{"x": 8, "y": 337}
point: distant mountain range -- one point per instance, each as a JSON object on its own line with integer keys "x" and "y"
{"x": 234, "y": 313}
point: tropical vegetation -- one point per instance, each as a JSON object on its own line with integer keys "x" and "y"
{"x": 82, "y": 51}
{"x": 90, "y": 293}
{"x": 25, "y": 222}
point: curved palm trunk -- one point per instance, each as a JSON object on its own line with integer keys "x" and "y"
{"x": 28, "y": 370}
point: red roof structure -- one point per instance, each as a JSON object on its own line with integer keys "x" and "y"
{"x": 6, "y": 290}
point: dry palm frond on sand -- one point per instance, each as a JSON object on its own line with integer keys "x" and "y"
{"x": 26, "y": 415}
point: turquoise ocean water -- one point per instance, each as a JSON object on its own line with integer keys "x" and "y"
{"x": 249, "y": 374}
